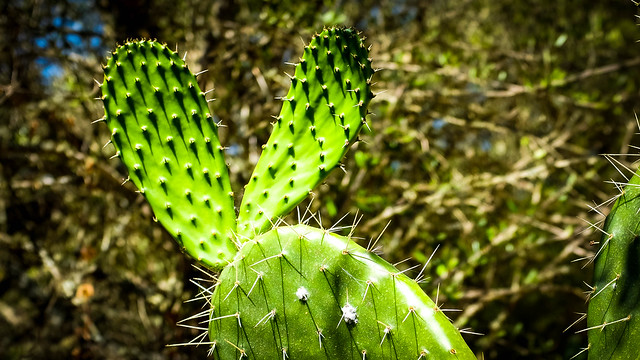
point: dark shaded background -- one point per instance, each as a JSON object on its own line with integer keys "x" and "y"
{"x": 485, "y": 140}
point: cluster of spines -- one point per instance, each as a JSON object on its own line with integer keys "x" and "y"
{"x": 320, "y": 119}
{"x": 164, "y": 132}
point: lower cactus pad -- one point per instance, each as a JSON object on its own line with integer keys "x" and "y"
{"x": 298, "y": 292}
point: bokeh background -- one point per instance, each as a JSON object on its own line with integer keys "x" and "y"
{"x": 486, "y": 140}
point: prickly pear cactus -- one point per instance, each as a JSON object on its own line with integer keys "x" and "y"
{"x": 290, "y": 292}
{"x": 613, "y": 319}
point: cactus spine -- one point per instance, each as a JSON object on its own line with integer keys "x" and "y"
{"x": 291, "y": 292}
{"x": 613, "y": 319}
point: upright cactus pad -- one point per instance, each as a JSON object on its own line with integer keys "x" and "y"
{"x": 321, "y": 117}
{"x": 304, "y": 293}
{"x": 164, "y": 133}
{"x": 614, "y": 308}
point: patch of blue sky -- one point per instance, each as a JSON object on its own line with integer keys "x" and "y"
{"x": 49, "y": 69}
{"x": 485, "y": 145}
{"x": 66, "y": 37}
{"x": 74, "y": 39}
{"x": 438, "y": 123}
{"x": 95, "y": 41}
{"x": 41, "y": 42}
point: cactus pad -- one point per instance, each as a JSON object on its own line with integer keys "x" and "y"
{"x": 304, "y": 293}
{"x": 320, "y": 119}
{"x": 164, "y": 133}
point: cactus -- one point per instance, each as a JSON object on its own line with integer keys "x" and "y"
{"x": 293, "y": 292}
{"x": 613, "y": 320}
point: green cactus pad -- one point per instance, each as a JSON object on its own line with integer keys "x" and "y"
{"x": 320, "y": 119}
{"x": 614, "y": 309}
{"x": 304, "y": 293}
{"x": 164, "y": 133}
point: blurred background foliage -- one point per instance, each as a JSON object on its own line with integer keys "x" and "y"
{"x": 485, "y": 140}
